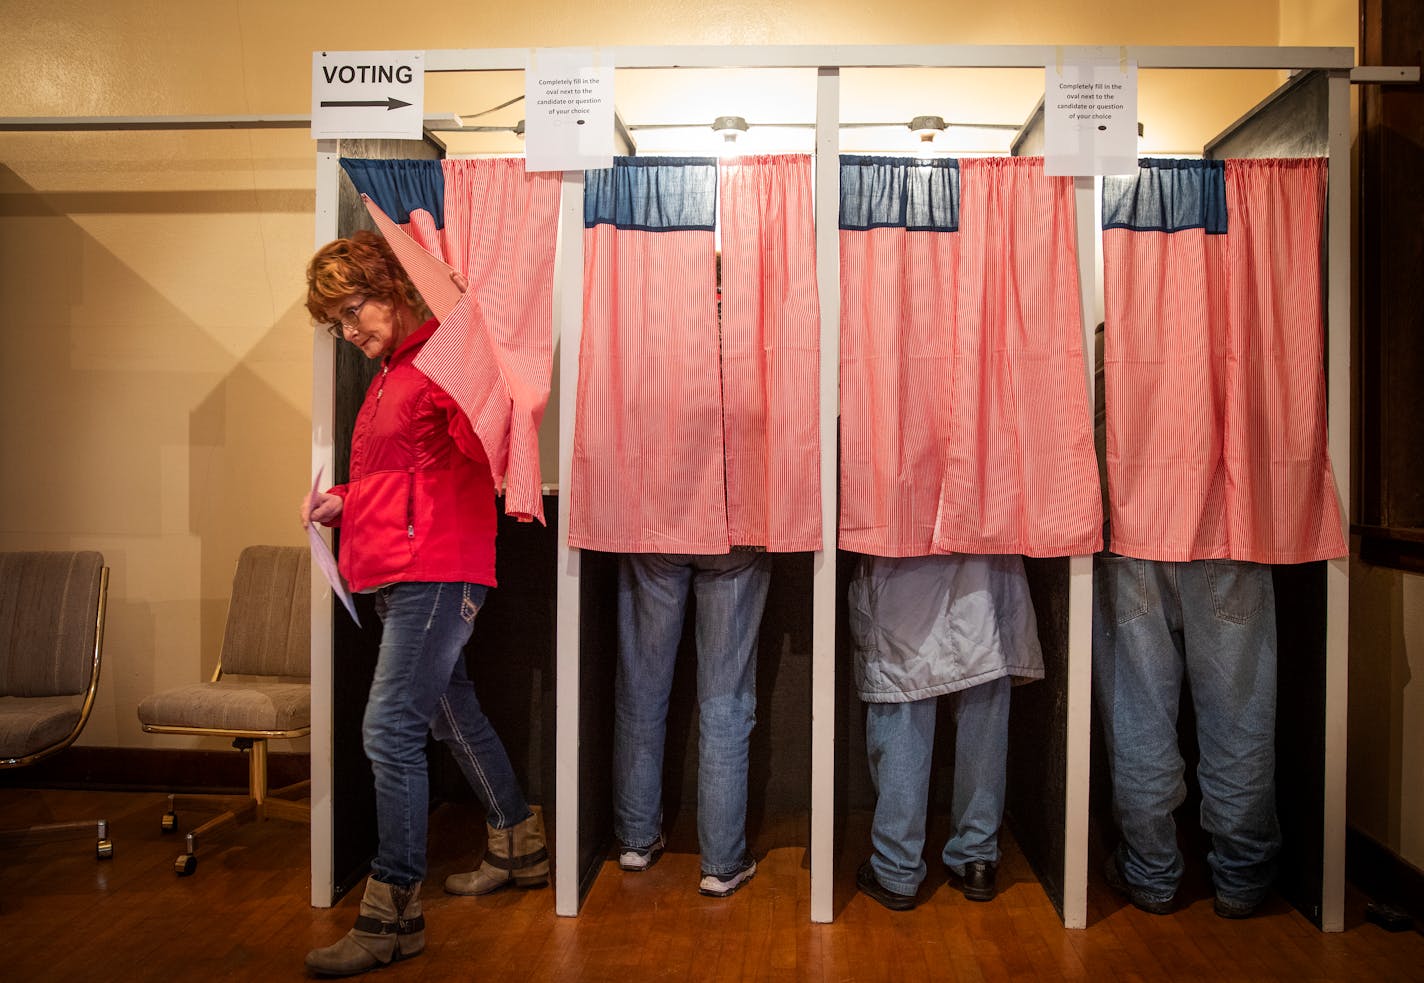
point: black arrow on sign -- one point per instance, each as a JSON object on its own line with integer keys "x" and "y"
{"x": 390, "y": 103}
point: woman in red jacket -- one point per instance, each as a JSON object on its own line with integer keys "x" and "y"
{"x": 417, "y": 522}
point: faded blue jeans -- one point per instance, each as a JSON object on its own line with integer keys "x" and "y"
{"x": 899, "y": 739}
{"x": 652, "y": 598}
{"x": 1213, "y": 621}
{"x": 421, "y": 687}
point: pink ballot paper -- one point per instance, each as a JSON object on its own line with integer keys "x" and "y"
{"x": 321, "y": 555}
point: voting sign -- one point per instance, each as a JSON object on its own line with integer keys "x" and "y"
{"x": 377, "y": 95}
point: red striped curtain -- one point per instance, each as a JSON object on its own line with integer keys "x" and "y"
{"x": 965, "y": 422}
{"x": 1020, "y": 474}
{"x": 501, "y": 227}
{"x": 648, "y": 463}
{"x": 493, "y": 352}
{"x": 770, "y": 352}
{"x": 1213, "y": 366}
{"x": 898, "y": 302}
{"x": 690, "y": 436}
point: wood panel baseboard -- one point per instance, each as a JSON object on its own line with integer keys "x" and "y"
{"x": 1382, "y": 874}
{"x": 162, "y": 769}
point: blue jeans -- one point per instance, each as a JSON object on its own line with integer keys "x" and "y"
{"x": 899, "y": 738}
{"x": 421, "y": 687}
{"x": 652, "y": 596}
{"x": 1215, "y": 621}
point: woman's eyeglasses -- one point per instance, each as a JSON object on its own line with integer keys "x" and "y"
{"x": 349, "y": 320}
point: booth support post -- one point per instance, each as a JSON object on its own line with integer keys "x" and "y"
{"x": 568, "y": 333}
{"x": 1337, "y": 584}
{"x": 323, "y": 877}
{"x": 1080, "y": 593}
{"x": 823, "y": 585}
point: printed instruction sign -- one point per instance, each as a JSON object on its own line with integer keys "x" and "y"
{"x": 378, "y": 95}
{"x": 1090, "y": 118}
{"x": 568, "y": 111}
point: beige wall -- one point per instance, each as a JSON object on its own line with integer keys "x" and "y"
{"x": 1386, "y": 756}
{"x": 1320, "y": 22}
{"x": 155, "y": 394}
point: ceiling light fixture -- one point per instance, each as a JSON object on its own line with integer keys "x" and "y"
{"x": 925, "y": 127}
{"x": 730, "y": 127}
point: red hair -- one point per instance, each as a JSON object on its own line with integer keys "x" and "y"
{"x": 361, "y": 265}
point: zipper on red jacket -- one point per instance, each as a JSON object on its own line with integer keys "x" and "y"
{"x": 380, "y": 391}
{"x": 410, "y": 492}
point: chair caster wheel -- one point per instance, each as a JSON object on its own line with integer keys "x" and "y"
{"x": 170, "y": 822}
{"x": 105, "y": 850}
{"x": 185, "y": 864}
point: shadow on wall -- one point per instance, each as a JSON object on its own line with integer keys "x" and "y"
{"x": 141, "y": 417}
{"x": 248, "y": 443}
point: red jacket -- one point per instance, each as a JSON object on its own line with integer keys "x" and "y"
{"x": 419, "y": 505}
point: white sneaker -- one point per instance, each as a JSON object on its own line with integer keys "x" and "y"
{"x": 639, "y": 860}
{"x": 722, "y": 885}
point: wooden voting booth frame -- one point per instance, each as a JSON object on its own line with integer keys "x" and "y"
{"x": 573, "y": 867}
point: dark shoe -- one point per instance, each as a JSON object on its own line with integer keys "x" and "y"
{"x": 725, "y": 885}
{"x": 871, "y": 887}
{"x": 1138, "y": 898}
{"x": 977, "y": 881}
{"x": 639, "y": 860}
{"x": 1227, "y": 908}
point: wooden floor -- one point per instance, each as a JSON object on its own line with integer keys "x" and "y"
{"x": 245, "y": 915}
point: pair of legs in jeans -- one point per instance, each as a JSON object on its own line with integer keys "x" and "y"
{"x": 421, "y": 687}
{"x": 900, "y": 740}
{"x": 653, "y": 590}
{"x": 1214, "y": 622}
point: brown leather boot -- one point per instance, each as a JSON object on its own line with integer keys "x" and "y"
{"x": 512, "y": 856}
{"x": 389, "y": 928}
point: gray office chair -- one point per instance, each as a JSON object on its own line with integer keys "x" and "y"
{"x": 260, "y": 691}
{"x": 51, "y": 639}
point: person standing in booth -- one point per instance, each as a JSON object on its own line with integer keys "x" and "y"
{"x": 1210, "y": 624}
{"x": 960, "y": 626}
{"x": 696, "y": 456}
{"x": 730, "y": 591}
{"x": 653, "y": 592}
{"x": 418, "y": 522}
{"x": 1217, "y": 463}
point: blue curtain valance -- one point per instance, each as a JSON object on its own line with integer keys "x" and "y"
{"x": 1168, "y": 196}
{"x": 900, "y": 193}
{"x": 400, "y": 186}
{"x": 662, "y": 194}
